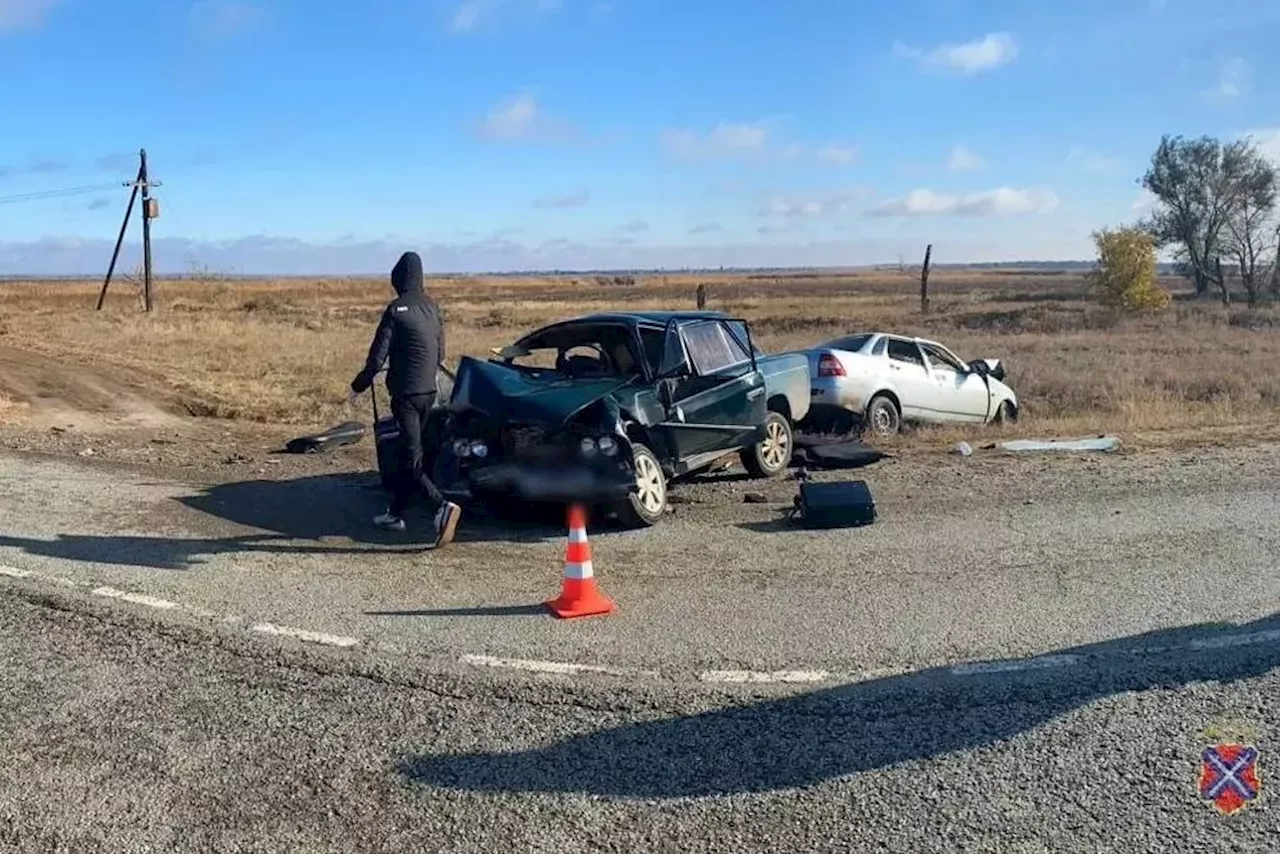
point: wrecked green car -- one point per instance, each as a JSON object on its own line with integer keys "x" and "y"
{"x": 606, "y": 409}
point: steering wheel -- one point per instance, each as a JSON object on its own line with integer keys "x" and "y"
{"x": 582, "y": 365}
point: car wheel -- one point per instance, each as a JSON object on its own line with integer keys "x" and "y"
{"x": 770, "y": 456}
{"x": 648, "y": 502}
{"x": 883, "y": 417}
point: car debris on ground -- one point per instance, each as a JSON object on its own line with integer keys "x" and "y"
{"x": 1100, "y": 443}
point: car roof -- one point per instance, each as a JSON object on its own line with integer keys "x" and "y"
{"x": 654, "y": 318}
{"x": 892, "y": 335}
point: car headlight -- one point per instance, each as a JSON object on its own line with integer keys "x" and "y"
{"x": 608, "y": 445}
{"x": 588, "y": 447}
{"x": 478, "y": 449}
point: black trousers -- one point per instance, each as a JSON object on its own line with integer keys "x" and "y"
{"x": 411, "y": 413}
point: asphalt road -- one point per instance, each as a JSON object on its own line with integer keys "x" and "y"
{"x": 1020, "y": 656}
{"x": 978, "y": 558}
{"x": 122, "y": 733}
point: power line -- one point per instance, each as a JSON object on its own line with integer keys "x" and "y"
{"x": 54, "y": 194}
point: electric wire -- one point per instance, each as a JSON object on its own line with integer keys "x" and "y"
{"x": 59, "y": 193}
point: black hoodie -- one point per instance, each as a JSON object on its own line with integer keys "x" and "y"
{"x": 411, "y": 334}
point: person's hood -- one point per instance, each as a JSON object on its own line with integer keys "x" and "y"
{"x": 406, "y": 275}
{"x": 498, "y": 390}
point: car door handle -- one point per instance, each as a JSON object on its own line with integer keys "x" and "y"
{"x": 754, "y": 393}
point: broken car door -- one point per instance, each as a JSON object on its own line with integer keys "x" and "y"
{"x": 962, "y": 394}
{"x": 911, "y": 381}
{"x": 718, "y": 399}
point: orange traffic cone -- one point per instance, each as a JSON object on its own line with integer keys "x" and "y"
{"x": 579, "y": 596}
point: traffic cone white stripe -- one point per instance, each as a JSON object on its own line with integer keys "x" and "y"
{"x": 579, "y": 570}
{"x": 577, "y": 535}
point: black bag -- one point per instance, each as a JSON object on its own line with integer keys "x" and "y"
{"x": 835, "y": 505}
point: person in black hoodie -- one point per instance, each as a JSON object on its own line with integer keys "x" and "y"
{"x": 411, "y": 335}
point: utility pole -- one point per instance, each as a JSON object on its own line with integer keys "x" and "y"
{"x": 148, "y": 294}
{"x": 150, "y": 210}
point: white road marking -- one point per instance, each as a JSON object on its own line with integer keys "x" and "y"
{"x": 761, "y": 676}
{"x": 135, "y": 598}
{"x": 1040, "y": 663}
{"x": 564, "y": 668}
{"x": 14, "y": 572}
{"x": 1236, "y": 640}
{"x": 303, "y": 635}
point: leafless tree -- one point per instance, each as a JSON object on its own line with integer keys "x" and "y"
{"x": 1250, "y": 230}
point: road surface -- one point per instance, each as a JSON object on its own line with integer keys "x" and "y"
{"x": 1021, "y": 655}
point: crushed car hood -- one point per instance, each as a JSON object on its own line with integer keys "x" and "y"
{"x": 513, "y": 394}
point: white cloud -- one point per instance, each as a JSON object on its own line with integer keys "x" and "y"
{"x": 796, "y": 207}
{"x": 837, "y": 155}
{"x": 726, "y": 139}
{"x": 963, "y": 160}
{"x": 19, "y": 14}
{"x": 274, "y": 255}
{"x": 1232, "y": 80}
{"x": 1268, "y": 142}
{"x": 747, "y": 140}
{"x": 991, "y": 51}
{"x": 1087, "y": 160}
{"x": 636, "y": 226}
{"x": 519, "y": 118}
{"x": 1002, "y": 201}
{"x": 707, "y": 228}
{"x": 576, "y": 199}
{"x": 1145, "y": 202}
{"x": 469, "y": 15}
{"x": 220, "y": 19}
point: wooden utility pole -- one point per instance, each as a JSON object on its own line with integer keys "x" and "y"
{"x": 924, "y": 280}
{"x": 150, "y": 210}
{"x": 148, "y": 293}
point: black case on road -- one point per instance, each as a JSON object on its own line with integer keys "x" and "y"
{"x": 835, "y": 505}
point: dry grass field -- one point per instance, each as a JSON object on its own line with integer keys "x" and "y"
{"x": 283, "y": 351}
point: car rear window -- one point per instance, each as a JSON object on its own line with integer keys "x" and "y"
{"x": 711, "y": 347}
{"x": 852, "y": 343}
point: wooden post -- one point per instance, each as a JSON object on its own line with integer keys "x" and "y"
{"x": 702, "y": 296}
{"x": 924, "y": 280}
{"x": 148, "y": 292}
{"x": 115, "y": 255}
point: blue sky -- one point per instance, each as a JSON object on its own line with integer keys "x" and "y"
{"x": 318, "y": 136}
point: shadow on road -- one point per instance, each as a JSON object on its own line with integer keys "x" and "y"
{"x": 342, "y": 505}
{"x": 806, "y": 739}
{"x": 283, "y": 515}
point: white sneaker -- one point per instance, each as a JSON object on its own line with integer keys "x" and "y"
{"x": 389, "y": 522}
{"x": 446, "y": 523}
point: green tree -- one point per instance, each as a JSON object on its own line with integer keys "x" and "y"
{"x": 1125, "y": 277}
{"x": 1200, "y": 186}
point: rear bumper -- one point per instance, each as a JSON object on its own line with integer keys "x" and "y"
{"x": 832, "y": 393}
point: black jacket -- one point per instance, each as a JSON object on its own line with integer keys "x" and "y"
{"x": 411, "y": 334}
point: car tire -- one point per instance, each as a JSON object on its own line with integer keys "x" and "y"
{"x": 771, "y": 455}
{"x": 648, "y": 503}
{"x": 883, "y": 417}
{"x": 1005, "y": 414}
